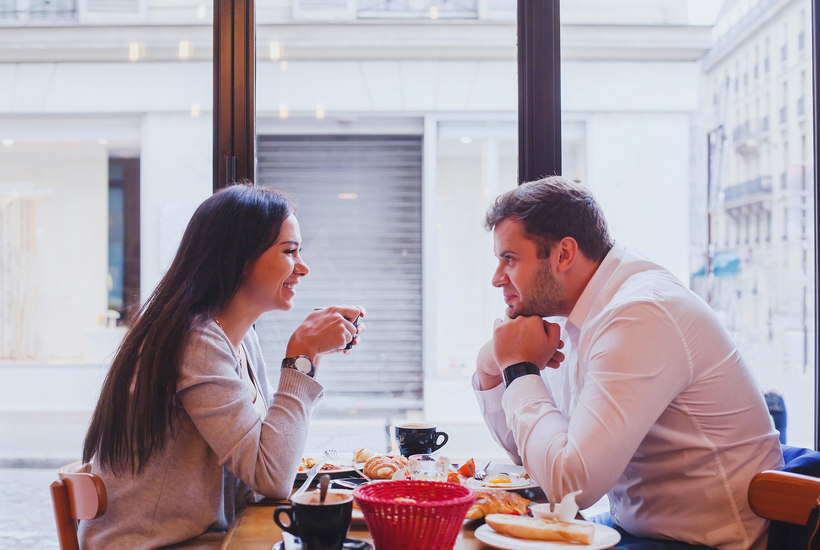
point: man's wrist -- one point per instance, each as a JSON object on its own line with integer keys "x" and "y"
{"x": 518, "y": 370}
{"x": 489, "y": 381}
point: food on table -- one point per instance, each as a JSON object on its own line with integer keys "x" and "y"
{"x": 467, "y": 469}
{"x": 497, "y": 501}
{"x": 498, "y": 479}
{"x": 362, "y": 454}
{"x": 406, "y": 500}
{"x": 526, "y": 527}
{"x": 453, "y": 477}
{"x": 309, "y": 462}
{"x": 384, "y": 466}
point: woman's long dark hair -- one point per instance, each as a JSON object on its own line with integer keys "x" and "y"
{"x": 225, "y": 236}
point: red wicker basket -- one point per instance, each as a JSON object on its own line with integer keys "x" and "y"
{"x": 411, "y": 515}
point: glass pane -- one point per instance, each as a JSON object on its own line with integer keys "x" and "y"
{"x": 392, "y": 125}
{"x": 105, "y": 149}
{"x": 705, "y": 131}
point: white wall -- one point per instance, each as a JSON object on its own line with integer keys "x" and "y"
{"x": 176, "y": 176}
{"x": 639, "y": 119}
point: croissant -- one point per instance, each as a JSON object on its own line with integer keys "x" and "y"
{"x": 497, "y": 501}
{"x": 383, "y": 466}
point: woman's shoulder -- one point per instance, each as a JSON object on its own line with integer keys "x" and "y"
{"x": 207, "y": 350}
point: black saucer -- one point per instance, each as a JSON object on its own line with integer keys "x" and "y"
{"x": 349, "y": 544}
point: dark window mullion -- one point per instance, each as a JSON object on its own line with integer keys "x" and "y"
{"x": 234, "y": 84}
{"x": 539, "y": 89}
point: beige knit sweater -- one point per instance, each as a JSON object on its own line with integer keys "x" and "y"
{"x": 220, "y": 451}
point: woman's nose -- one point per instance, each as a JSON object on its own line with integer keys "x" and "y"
{"x": 301, "y": 268}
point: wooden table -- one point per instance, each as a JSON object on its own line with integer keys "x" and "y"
{"x": 254, "y": 529}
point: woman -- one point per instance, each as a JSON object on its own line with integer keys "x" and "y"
{"x": 185, "y": 428}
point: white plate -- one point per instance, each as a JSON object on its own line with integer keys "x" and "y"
{"x": 603, "y": 537}
{"x": 512, "y": 470}
{"x": 341, "y": 466}
{"x": 334, "y": 470}
{"x": 514, "y": 484}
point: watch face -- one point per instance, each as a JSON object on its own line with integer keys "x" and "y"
{"x": 303, "y": 364}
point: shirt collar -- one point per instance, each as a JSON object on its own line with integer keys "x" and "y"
{"x": 587, "y": 299}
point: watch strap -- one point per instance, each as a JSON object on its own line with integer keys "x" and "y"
{"x": 518, "y": 370}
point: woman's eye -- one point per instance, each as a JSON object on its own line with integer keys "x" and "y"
{"x": 291, "y": 251}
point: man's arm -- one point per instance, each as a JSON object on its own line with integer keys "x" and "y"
{"x": 633, "y": 368}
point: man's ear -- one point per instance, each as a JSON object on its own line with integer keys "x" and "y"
{"x": 566, "y": 253}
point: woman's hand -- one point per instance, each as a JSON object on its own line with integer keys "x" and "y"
{"x": 326, "y": 330}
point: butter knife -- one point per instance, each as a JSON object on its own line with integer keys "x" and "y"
{"x": 309, "y": 478}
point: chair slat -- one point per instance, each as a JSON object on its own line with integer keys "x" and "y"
{"x": 784, "y": 496}
{"x": 66, "y": 525}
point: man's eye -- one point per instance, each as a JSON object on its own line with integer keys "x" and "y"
{"x": 508, "y": 259}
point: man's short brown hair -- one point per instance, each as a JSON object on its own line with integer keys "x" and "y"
{"x": 551, "y": 209}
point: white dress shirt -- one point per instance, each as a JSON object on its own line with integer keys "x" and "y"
{"x": 653, "y": 406}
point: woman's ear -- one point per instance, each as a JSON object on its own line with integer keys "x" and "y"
{"x": 567, "y": 253}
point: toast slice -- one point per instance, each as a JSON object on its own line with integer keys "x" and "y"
{"x": 526, "y": 527}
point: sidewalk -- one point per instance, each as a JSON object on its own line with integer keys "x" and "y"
{"x": 41, "y": 439}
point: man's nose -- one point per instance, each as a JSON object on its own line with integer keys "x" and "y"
{"x": 499, "y": 277}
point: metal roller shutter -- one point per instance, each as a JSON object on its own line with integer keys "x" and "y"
{"x": 361, "y": 251}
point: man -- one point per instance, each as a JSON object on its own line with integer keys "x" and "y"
{"x": 649, "y": 402}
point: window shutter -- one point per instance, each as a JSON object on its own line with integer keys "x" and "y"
{"x": 361, "y": 251}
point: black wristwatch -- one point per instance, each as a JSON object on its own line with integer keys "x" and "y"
{"x": 302, "y": 363}
{"x": 519, "y": 369}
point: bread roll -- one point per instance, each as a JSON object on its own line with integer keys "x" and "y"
{"x": 384, "y": 466}
{"x": 497, "y": 501}
{"x": 361, "y": 455}
{"x": 526, "y": 527}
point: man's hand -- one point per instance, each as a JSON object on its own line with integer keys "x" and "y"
{"x": 489, "y": 375}
{"x": 526, "y": 338}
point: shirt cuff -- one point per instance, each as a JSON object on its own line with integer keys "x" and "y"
{"x": 523, "y": 389}
{"x": 489, "y": 401}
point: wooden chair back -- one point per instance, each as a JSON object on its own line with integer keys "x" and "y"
{"x": 76, "y": 494}
{"x": 784, "y": 496}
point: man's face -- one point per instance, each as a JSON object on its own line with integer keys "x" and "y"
{"x": 528, "y": 282}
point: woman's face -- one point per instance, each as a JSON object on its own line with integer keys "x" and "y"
{"x": 272, "y": 281}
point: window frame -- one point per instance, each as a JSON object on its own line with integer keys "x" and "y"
{"x": 539, "y": 96}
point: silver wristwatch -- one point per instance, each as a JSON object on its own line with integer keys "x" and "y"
{"x": 302, "y": 363}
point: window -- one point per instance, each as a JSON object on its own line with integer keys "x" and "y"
{"x": 95, "y": 188}
{"x": 740, "y": 194}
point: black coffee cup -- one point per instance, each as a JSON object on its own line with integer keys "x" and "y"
{"x": 414, "y": 438}
{"x": 320, "y": 526}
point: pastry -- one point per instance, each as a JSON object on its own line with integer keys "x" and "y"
{"x": 497, "y": 501}
{"x": 384, "y": 466}
{"x": 361, "y": 455}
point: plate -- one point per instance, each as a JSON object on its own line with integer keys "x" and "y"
{"x": 514, "y": 484}
{"x": 334, "y": 470}
{"x": 603, "y": 537}
{"x": 344, "y": 465}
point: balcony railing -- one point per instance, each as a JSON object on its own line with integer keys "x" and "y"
{"x": 39, "y": 10}
{"x": 755, "y": 190}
